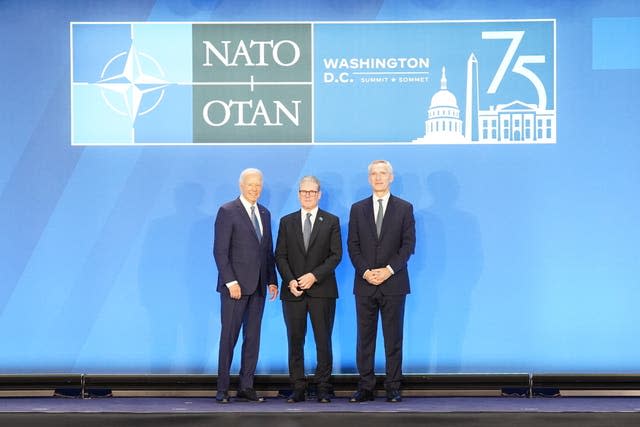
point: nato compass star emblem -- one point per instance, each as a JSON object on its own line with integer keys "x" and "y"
{"x": 135, "y": 90}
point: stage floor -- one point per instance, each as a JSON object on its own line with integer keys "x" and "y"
{"x": 279, "y": 405}
{"x": 276, "y": 412}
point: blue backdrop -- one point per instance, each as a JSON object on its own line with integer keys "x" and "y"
{"x": 526, "y": 257}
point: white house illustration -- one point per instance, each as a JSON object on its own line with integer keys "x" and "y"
{"x": 513, "y": 123}
{"x": 516, "y": 122}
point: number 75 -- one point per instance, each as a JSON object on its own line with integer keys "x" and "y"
{"x": 519, "y": 66}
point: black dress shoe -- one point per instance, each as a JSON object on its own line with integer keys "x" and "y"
{"x": 222, "y": 397}
{"x": 249, "y": 395}
{"x": 362, "y": 396}
{"x": 394, "y": 396}
{"x": 324, "y": 396}
{"x": 296, "y": 396}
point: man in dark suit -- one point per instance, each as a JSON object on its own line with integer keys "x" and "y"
{"x": 381, "y": 239}
{"x": 308, "y": 250}
{"x": 243, "y": 250}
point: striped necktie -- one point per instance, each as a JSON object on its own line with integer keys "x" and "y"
{"x": 254, "y": 220}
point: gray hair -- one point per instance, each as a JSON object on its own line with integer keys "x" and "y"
{"x": 249, "y": 171}
{"x": 381, "y": 162}
{"x": 310, "y": 178}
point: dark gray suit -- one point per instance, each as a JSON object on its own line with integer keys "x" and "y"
{"x": 322, "y": 257}
{"x": 240, "y": 256}
{"x": 394, "y": 247}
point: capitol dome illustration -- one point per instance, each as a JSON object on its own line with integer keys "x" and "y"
{"x": 443, "y": 124}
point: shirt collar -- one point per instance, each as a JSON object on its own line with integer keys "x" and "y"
{"x": 314, "y": 213}
{"x": 384, "y": 198}
{"x": 247, "y": 204}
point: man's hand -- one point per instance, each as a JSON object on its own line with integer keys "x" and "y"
{"x": 273, "y": 290}
{"x": 234, "y": 291}
{"x": 306, "y": 281}
{"x": 293, "y": 287}
{"x": 381, "y": 274}
{"x": 377, "y": 276}
{"x": 370, "y": 277}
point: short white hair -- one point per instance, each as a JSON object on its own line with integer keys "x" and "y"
{"x": 249, "y": 171}
{"x": 381, "y": 162}
{"x": 310, "y": 178}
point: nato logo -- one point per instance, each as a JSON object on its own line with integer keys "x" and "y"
{"x": 131, "y": 84}
{"x": 184, "y": 83}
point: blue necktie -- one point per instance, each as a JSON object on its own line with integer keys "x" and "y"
{"x": 254, "y": 220}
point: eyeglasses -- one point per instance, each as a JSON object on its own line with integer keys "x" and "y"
{"x": 312, "y": 193}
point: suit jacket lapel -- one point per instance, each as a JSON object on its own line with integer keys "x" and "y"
{"x": 368, "y": 214}
{"x": 246, "y": 219}
{"x": 319, "y": 222}
{"x": 296, "y": 225}
{"x": 388, "y": 214}
{"x": 266, "y": 227}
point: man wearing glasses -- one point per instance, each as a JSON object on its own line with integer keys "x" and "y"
{"x": 308, "y": 250}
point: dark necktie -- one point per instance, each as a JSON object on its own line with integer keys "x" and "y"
{"x": 254, "y": 220}
{"x": 379, "y": 217}
{"x": 306, "y": 231}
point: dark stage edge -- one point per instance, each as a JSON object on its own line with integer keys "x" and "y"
{"x": 432, "y": 411}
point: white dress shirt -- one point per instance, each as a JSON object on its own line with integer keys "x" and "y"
{"x": 247, "y": 207}
{"x": 312, "y": 218}
{"x": 385, "y": 202}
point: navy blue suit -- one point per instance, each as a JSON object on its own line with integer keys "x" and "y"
{"x": 240, "y": 256}
{"x": 368, "y": 251}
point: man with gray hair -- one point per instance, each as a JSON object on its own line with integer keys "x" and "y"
{"x": 382, "y": 237}
{"x": 243, "y": 250}
{"x": 308, "y": 250}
